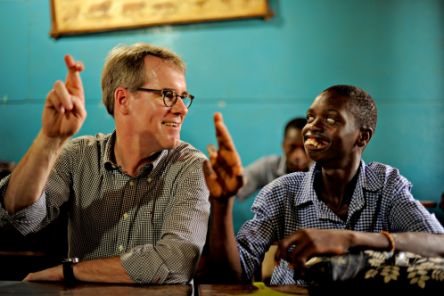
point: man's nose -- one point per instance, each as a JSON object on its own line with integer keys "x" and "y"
{"x": 179, "y": 107}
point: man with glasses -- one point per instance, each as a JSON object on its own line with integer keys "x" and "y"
{"x": 137, "y": 199}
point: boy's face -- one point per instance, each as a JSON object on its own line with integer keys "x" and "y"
{"x": 331, "y": 133}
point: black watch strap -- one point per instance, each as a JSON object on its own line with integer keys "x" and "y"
{"x": 68, "y": 270}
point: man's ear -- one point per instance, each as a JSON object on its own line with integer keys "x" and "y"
{"x": 365, "y": 134}
{"x": 121, "y": 97}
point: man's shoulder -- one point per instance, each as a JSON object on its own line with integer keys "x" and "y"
{"x": 181, "y": 159}
{"x": 88, "y": 142}
{"x": 90, "y": 139}
{"x": 186, "y": 151}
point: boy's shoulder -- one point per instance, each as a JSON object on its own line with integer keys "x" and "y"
{"x": 379, "y": 175}
{"x": 381, "y": 169}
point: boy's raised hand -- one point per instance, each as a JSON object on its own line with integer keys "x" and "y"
{"x": 223, "y": 172}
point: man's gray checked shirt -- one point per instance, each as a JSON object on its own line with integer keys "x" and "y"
{"x": 156, "y": 222}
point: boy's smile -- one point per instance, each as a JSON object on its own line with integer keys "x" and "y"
{"x": 313, "y": 142}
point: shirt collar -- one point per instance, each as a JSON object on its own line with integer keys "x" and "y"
{"x": 109, "y": 159}
{"x": 307, "y": 186}
{"x": 367, "y": 180}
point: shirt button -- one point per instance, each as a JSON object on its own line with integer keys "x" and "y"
{"x": 125, "y": 216}
{"x": 149, "y": 180}
{"x": 131, "y": 183}
{"x": 120, "y": 248}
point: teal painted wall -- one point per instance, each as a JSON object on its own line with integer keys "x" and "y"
{"x": 258, "y": 73}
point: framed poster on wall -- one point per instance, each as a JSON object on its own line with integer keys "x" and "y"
{"x": 71, "y": 17}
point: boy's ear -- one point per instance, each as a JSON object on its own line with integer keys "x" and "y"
{"x": 365, "y": 134}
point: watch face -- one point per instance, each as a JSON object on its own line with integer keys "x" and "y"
{"x": 71, "y": 260}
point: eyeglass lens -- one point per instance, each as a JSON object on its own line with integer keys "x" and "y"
{"x": 170, "y": 98}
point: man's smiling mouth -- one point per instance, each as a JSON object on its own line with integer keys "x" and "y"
{"x": 171, "y": 123}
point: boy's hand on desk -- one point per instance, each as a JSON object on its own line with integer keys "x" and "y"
{"x": 223, "y": 172}
{"x": 303, "y": 244}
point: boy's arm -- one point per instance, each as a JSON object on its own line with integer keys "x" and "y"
{"x": 303, "y": 244}
{"x": 223, "y": 175}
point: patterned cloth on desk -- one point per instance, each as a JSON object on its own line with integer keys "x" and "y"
{"x": 373, "y": 271}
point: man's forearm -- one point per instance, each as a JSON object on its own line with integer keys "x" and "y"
{"x": 108, "y": 270}
{"x": 31, "y": 174}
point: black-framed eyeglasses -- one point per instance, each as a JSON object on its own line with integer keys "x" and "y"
{"x": 170, "y": 97}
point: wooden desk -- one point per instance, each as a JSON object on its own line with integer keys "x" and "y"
{"x": 87, "y": 289}
{"x": 254, "y": 289}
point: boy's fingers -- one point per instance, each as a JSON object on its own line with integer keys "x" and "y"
{"x": 208, "y": 171}
{"x": 223, "y": 136}
{"x": 211, "y": 149}
{"x": 212, "y": 154}
{"x": 211, "y": 179}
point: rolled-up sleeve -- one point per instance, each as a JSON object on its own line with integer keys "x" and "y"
{"x": 45, "y": 209}
{"x": 27, "y": 220}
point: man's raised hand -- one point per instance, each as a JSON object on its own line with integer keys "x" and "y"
{"x": 64, "y": 111}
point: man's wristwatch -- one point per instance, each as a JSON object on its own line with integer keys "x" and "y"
{"x": 68, "y": 271}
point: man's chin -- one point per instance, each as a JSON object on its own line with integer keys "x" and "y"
{"x": 172, "y": 144}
